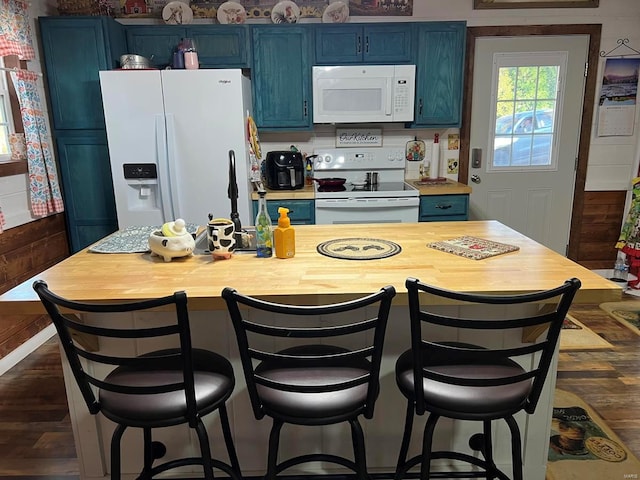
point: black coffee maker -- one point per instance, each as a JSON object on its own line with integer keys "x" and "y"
{"x": 284, "y": 170}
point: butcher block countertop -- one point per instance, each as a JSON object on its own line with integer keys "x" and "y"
{"x": 313, "y": 277}
{"x": 449, "y": 187}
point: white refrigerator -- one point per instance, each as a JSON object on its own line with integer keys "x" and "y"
{"x": 169, "y": 134}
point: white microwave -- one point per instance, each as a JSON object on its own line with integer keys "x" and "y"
{"x": 363, "y": 93}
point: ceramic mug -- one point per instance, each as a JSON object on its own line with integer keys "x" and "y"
{"x": 18, "y": 146}
{"x": 221, "y": 237}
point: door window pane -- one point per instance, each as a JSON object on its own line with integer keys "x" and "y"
{"x": 526, "y": 97}
{"x": 6, "y": 125}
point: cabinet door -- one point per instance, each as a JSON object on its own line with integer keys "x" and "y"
{"x": 74, "y": 50}
{"x": 338, "y": 44}
{"x": 439, "y": 82}
{"x": 281, "y": 77}
{"x": 154, "y": 42}
{"x": 225, "y": 46}
{"x": 87, "y": 187}
{"x": 301, "y": 212}
{"x": 387, "y": 44}
{"x": 347, "y": 44}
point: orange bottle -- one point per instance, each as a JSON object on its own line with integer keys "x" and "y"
{"x": 284, "y": 235}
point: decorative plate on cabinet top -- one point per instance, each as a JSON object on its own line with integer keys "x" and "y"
{"x": 285, "y": 12}
{"x": 231, "y": 13}
{"x": 336, "y": 12}
{"x": 177, "y": 13}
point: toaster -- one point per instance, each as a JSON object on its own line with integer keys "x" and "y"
{"x": 284, "y": 170}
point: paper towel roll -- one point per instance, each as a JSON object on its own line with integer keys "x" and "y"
{"x": 434, "y": 168}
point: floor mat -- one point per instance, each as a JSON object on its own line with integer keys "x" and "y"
{"x": 582, "y": 446}
{"x": 576, "y": 336}
{"x": 627, "y": 313}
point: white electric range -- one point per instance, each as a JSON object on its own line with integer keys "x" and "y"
{"x": 389, "y": 200}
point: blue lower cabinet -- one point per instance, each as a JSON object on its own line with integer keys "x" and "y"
{"x": 301, "y": 212}
{"x": 444, "y": 208}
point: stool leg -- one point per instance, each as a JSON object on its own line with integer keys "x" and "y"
{"x": 274, "y": 441}
{"x": 205, "y": 450}
{"x": 228, "y": 439}
{"x": 115, "y": 451}
{"x": 148, "y": 453}
{"x": 406, "y": 438}
{"x": 359, "y": 453}
{"x": 427, "y": 440}
{"x": 488, "y": 449}
{"x": 516, "y": 448}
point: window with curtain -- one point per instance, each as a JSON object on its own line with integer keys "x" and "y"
{"x": 6, "y": 118}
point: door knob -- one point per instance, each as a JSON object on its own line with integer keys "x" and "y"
{"x": 475, "y": 179}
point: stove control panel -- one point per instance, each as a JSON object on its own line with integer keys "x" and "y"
{"x": 359, "y": 159}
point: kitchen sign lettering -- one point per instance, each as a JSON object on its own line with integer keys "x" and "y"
{"x": 359, "y": 138}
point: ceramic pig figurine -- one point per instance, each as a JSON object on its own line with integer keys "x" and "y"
{"x": 172, "y": 241}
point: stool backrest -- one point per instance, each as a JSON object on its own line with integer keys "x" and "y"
{"x": 90, "y": 364}
{"x": 275, "y": 332}
{"x": 474, "y": 321}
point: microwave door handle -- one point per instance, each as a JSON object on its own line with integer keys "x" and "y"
{"x": 389, "y": 106}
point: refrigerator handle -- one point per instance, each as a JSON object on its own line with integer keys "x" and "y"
{"x": 171, "y": 165}
{"x": 163, "y": 169}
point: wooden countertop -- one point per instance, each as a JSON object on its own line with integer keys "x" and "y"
{"x": 313, "y": 277}
{"x": 449, "y": 187}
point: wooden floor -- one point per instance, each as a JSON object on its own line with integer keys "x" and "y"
{"x": 36, "y": 442}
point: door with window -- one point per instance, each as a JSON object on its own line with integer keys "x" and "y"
{"x": 525, "y": 129}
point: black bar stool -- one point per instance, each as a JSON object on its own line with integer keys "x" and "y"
{"x": 157, "y": 389}
{"x": 472, "y": 381}
{"x": 322, "y": 374}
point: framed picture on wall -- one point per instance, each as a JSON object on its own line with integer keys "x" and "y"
{"x": 480, "y": 4}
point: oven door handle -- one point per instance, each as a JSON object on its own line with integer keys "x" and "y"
{"x": 368, "y": 202}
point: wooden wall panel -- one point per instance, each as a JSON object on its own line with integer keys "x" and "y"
{"x": 24, "y": 252}
{"x": 602, "y": 219}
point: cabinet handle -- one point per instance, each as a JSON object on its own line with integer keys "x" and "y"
{"x": 366, "y": 44}
{"x": 359, "y": 47}
{"x": 305, "y": 113}
{"x": 420, "y": 107}
{"x": 444, "y": 207}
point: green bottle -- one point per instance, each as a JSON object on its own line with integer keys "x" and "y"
{"x": 264, "y": 231}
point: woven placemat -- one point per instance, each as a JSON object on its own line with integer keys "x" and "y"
{"x": 473, "y": 247}
{"x": 358, "y": 248}
{"x": 131, "y": 239}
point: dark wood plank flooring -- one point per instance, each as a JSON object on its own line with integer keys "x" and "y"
{"x": 36, "y": 441}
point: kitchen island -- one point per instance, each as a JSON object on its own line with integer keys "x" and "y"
{"x": 311, "y": 277}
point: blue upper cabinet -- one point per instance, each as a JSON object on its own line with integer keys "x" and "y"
{"x": 155, "y": 42}
{"x": 439, "y": 63}
{"x": 218, "y": 46}
{"x": 281, "y": 77}
{"x": 224, "y": 46}
{"x": 371, "y": 43}
{"x": 75, "y": 49}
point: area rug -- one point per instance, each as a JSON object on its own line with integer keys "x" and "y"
{"x": 473, "y": 247}
{"x": 582, "y": 446}
{"x": 576, "y": 336}
{"x": 627, "y": 313}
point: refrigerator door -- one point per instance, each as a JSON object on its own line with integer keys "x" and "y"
{"x": 206, "y": 113}
{"x": 134, "y": 118}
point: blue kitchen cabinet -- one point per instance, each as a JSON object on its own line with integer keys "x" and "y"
{"x": 301, "y": 212}
{"x": 439, "y": 59}
{"x": 281, "y": 77}
{"x": 155, "y": 42}
{"x": 218, "y": 46}
{"x": 345, "y": 44}
{"x": 75, "y": 49}
{"x": 444, "y": 208}
{"x": 85, "y": 173}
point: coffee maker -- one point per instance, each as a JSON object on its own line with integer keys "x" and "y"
{"x": 284, "y": 170}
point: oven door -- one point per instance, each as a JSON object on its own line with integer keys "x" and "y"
{"x": 367, "y": 210}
